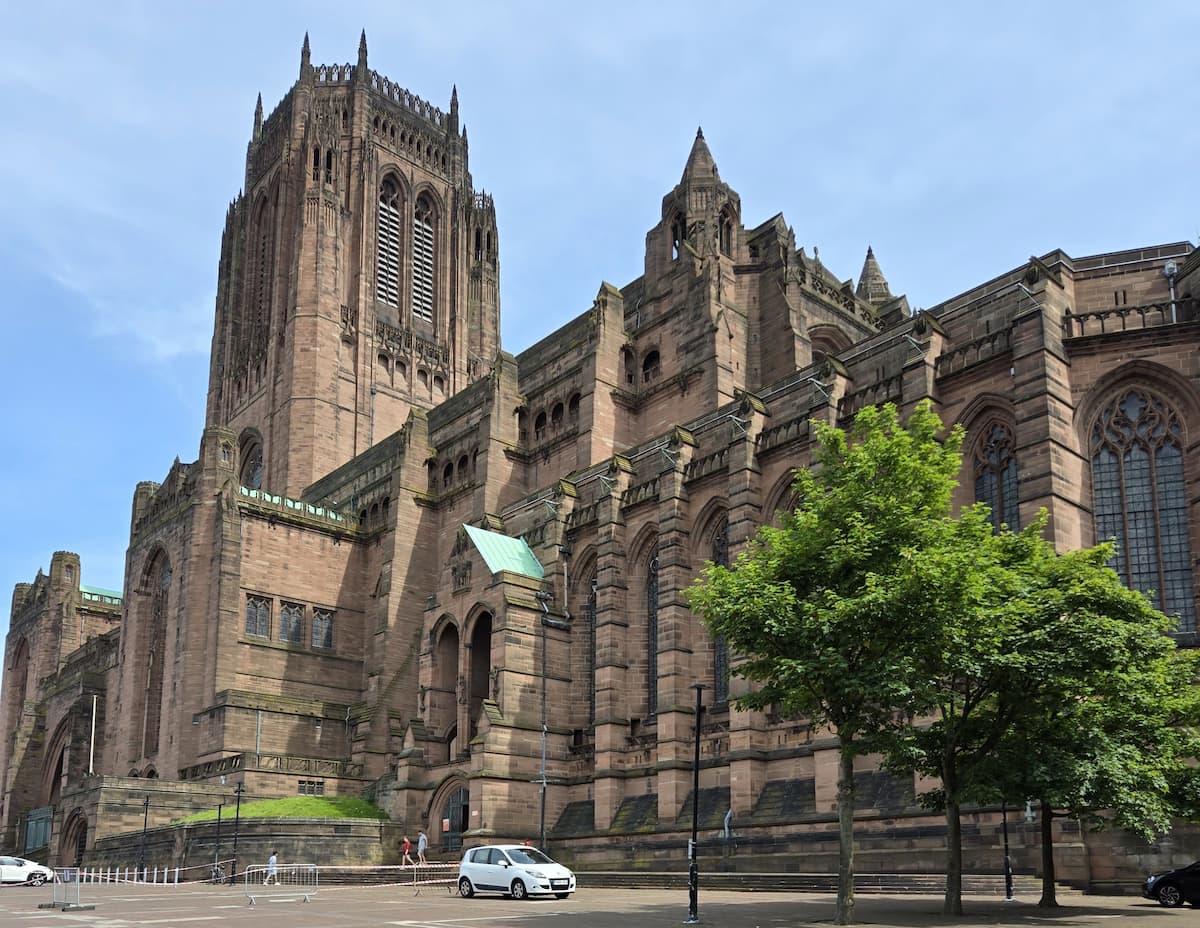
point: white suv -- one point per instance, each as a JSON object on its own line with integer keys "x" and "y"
{"x": 515, "y": 870}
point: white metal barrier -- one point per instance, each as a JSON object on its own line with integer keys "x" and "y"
{"x": 64, "y": 891}
{"x": 286, "y": 881}
{"x": 432, "y": 875}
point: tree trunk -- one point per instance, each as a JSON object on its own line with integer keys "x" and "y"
{"x": 1049, "y": 900}
{"x": 845, "y": 898}
{"x": 953, "y": 901}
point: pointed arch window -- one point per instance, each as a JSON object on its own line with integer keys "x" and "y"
{"x": 252, "y": 467}
{"x": 1139, "y": 497}
{"x": 678, "y": 235}
{"x": 155, "y": 656}
{"x": 590, "y": 612}
{"x": 261, "y": 298}
{"x": 424, "y": 263}
{"x": 725, "y": 233}
{"x": 720, "y": 557}
{"x": 387, "y": 244}
{"x": 652, "y": 636}
{"x": 996, "y": 475}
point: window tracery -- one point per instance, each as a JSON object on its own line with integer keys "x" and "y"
{"x": 996, "y": 475}
{"x": 1138, "y": 487}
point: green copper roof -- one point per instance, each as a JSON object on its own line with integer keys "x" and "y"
{"x": 500, "y": 552}
{"x": 99, "y": 591}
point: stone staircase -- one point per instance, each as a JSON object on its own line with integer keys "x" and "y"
{"x": 897, "y": 883}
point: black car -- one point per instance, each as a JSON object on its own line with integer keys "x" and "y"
{"x": 1174, "y": 887}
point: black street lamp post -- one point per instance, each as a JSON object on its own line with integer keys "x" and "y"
{"x": 142, "y": 850}
{"x": 693, "y": 872}
{"x": 1008, "y": 873}
{"x": 237, "y": 821}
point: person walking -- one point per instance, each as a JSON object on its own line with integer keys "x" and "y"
{"x": 422, "y": 843}
{"x": 406, "y": 860}
{"x": 272, "y": 869}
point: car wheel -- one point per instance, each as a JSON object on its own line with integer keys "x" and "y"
{"x": 465, "y": 889}
{"x": 561, "y": 895}
{"x": 1169, "y": 895}
{"x": 37, "y": 879}
{"x": 518, "y": 890}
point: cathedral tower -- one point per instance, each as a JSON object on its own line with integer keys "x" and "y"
{"x": 359, "y": 275}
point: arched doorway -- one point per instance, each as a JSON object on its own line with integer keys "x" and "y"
{"x": 454, "y": 819}
{"x": 74, "y": 839}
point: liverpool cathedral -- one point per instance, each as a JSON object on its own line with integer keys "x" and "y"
{"x": 409, "y": 565}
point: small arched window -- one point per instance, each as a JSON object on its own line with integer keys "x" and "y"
{"x": 539, "y": 426}
{"x": 678, "y": 235}
{"x": 556, "y": 416}
{"x": 725, "y": 235}
{"x": 329, "y": 165}
{"x": 651, "y": 369}
{"x": 252, "y": 466}
{"x": 573, "y": 407}
{"x": 387, "y": 246}
{"x": 316, "y": 174}
{"x": 447, "y": 475}
{"x": 463, "y": 465}
{"x": 423, "y": 259}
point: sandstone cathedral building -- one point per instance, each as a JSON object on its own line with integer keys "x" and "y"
{"x": 403, "y": 557}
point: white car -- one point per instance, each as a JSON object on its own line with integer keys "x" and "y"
{"x": 515, "y": 870}
{"x": 20, "y": 870}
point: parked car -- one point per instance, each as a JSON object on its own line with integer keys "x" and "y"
{"x": 1174, "y": 887}
{"x": 515, "y": 870}
{"x": 20, "y": 870}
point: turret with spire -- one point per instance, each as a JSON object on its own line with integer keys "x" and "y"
{"x": 700, "y": 165}
{"x": 305, "y": 59}
{"x": 258, "y": 118}
{"x": 452, "y": 122}
{"x": 362, "y": 56}
{"x": 872, "y": 285}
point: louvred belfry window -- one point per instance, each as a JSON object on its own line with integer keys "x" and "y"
{"x": 387, "y": 247}
{"x": 423, "y": 260}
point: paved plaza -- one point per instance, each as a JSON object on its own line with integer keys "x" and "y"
{"x": 191, "y": 906}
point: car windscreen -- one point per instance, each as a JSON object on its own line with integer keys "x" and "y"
{"x": 528, "y": 855}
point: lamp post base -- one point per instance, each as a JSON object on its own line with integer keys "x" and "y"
{"x": 693, "y": 893}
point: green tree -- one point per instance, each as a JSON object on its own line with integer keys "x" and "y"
{"x": 812, "y": 606}
{"x": 1108, "y": 735}
{"x": 1049, "y": 678}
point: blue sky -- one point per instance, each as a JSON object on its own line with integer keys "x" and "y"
{"x": 956, "y": 139}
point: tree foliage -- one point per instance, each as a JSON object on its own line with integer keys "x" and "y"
{"x": 812, "y": 606}
{"x": 986, "y": 661}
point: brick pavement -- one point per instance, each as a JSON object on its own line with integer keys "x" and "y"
{"x": 361, "y": 906}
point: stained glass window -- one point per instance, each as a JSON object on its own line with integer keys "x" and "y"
{"x": 1140, "y": 500}
{"x": 996, "y": 475}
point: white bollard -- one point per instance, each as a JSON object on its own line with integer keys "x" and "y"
{"x": 176, "y": 876}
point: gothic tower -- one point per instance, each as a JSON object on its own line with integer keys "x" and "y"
{"x": 359, "y": 275}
